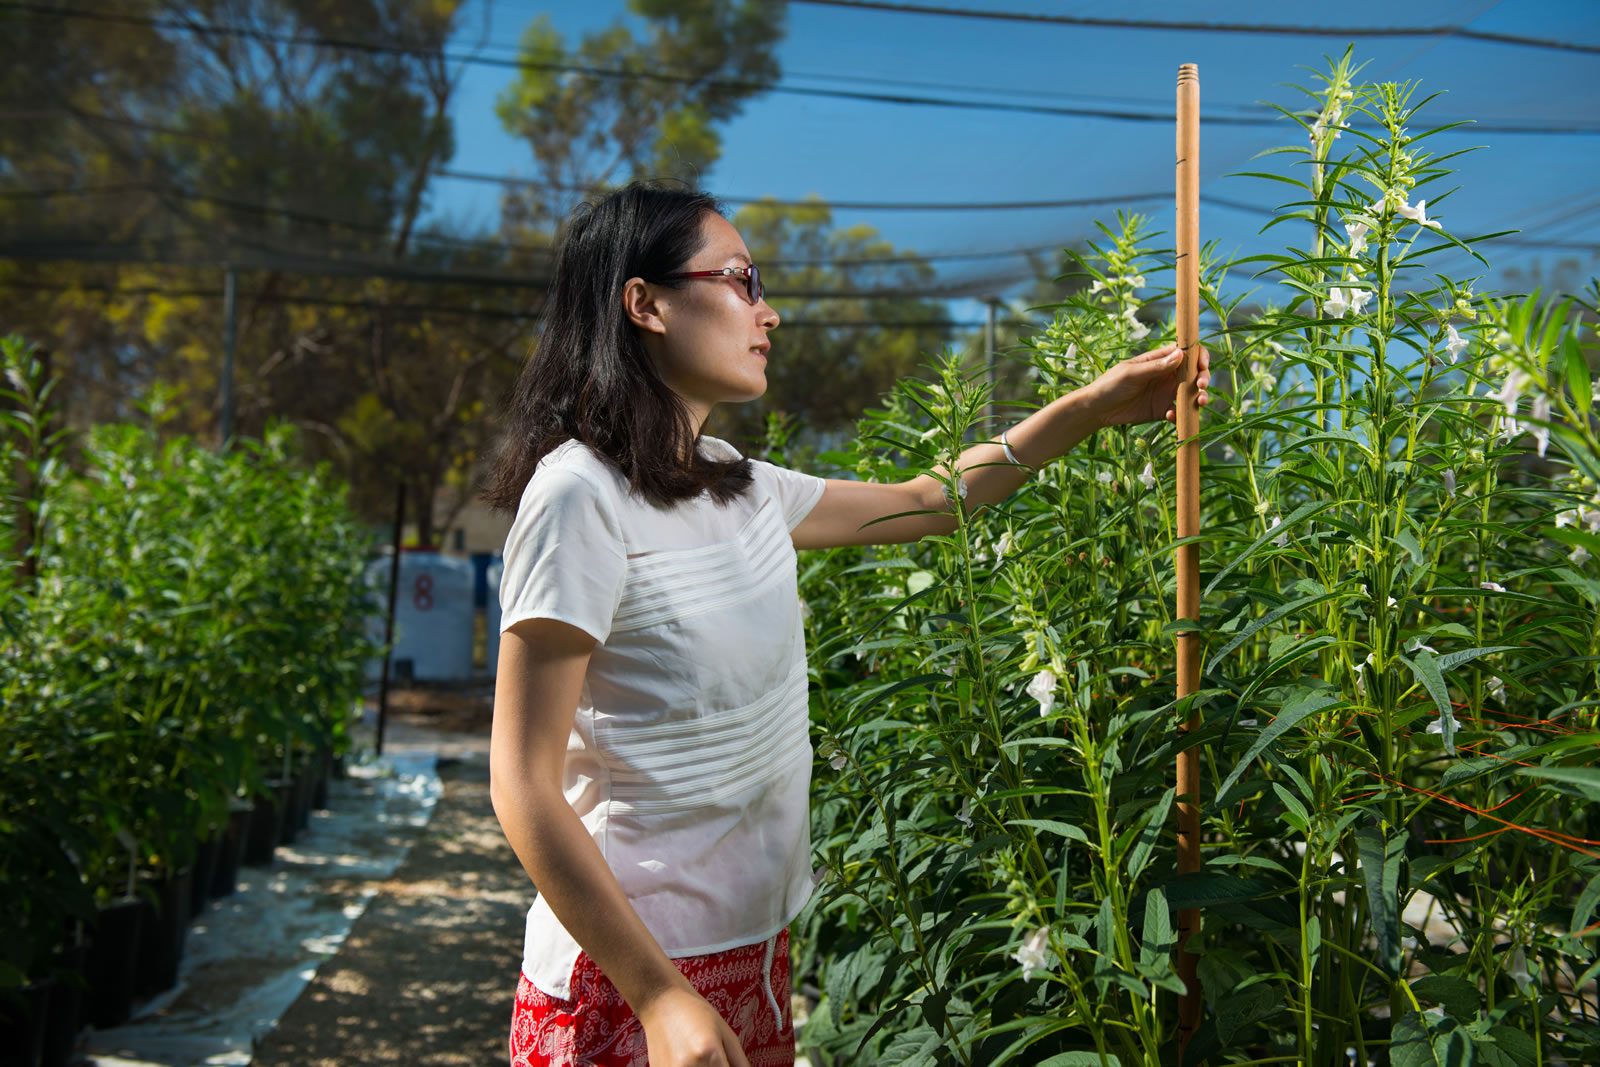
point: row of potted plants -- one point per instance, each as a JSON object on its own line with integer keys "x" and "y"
{"x": 180, "y": 651}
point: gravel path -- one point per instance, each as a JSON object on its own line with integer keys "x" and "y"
{"x": 428, "y": 972}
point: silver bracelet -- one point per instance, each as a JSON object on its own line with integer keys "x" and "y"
{"x": 1010, "y": 455}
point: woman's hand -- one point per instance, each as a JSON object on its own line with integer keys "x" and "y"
{"x": 1145, "y": 387}
{"x": 682, "y": 1029}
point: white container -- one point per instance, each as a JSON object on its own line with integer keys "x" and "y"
{"x": 432, "y": 619}
{"x": 492, "y": 607}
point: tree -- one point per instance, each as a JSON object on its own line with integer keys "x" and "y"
{"x": 621, "y": 106}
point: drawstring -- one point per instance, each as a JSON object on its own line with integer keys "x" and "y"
{"x": 766, "y": 981}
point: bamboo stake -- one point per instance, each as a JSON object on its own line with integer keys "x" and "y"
{"x": 1188, "y": 420}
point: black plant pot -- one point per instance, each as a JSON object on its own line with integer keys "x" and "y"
{"x": 323, "y": 766}
{"x": 266, "y": 825}
{"x": 22, "y": 1025}
{"x": 225, "y": 879}
{"x": 302, "y": 785}
{"x": 205, "y": 871}
{"x": 113, "y": 950}
{"x": 289, "y": 800}
{"x": 162, "y": 936}
{"x": 65, "y": 1018}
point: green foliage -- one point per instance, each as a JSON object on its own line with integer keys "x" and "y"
{"x": 1400, "y": 700}
{"x": 192, "y": 628}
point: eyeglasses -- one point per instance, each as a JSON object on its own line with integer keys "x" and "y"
{"x": 753, "y": 288}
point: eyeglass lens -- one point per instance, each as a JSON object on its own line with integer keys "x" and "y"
{"x": 752, "y": 284}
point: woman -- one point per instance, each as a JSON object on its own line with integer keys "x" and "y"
{"x": 650, "y": 760}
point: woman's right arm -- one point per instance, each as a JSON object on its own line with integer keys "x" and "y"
{"x": 538, "y": 682}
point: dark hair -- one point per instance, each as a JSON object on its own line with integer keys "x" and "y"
{"x": 589, "y": 377}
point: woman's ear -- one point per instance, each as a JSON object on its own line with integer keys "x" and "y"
{"x": 640, "y": 305}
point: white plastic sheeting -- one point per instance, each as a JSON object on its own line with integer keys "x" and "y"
{"x": 433, "y": 616}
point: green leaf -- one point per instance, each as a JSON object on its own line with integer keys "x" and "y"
{"x": 1081, "y": 1059}
{"x": 1425, "y": 666}
{"x": 1156, "y": 822}
{"x": 1583, "y": 908}
{"x": 1304, "y": 511}
{"x": 1053, "y": 826}
{"x": 1158, "y": 942}
{"x": 1586, "y": 779}
{"x": 1307, "y": 703}
{"x": 1380, "y": 870}
{"x": 1458, "y": 996}
{"x": 1244, "y": 1008}
{"x": 1414, "y": 1044}
{"x": 1577, "y": 373}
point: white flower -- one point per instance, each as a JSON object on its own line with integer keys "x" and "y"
{"x": 1418, "y": 214}
{"x": 1035, "y": 954}
{"x": 1246, "y": 722}
{"x": 1393, "y": 602}
{"x": 1437, "y": 725}
{"x": 1517, "y": 969}
{"x": 1104, "y": 477}
{"x": 1591, "y": 519}
{"x": 1450, "y": 481}
{"x": 1357, "y": 232}
{"x": 1493, "y": 587}
{"x": 1579, "y": 554}
{"x": 1148, "y": 475}
{"x": 1453, "y": 342}
{"x": 1002, "y": 546}
{"x": 1497, "y": 689}
{"x": 964, "y": 816}
{"x": 1098, "y": 287}
{"x": 1336, "y": 305}
{"x": 1229, "y": 453}
{"x": 930, "y": 433}
{"x": 1343, "y": 299}
{"x": 1541, "y": 410}
{"x": 1511, "y": 391}
{"x": 1416, "y": 645}
{"x": 1043, "y": 689}
{"x": 839, "y": 760}
{"x": 1136, "y": 329}
{"x": 1137, "y": 281}
{"x": 1282, "y": 540}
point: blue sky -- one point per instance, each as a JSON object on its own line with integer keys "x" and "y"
{"x": 790, "y": 147}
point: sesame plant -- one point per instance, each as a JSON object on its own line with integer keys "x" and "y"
{"x": 1400, "y": 688}
{"x": 180, "y": 623}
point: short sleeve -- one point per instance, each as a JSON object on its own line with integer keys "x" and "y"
{"x": 795, "y": 491}
{"x": 565, "y": 557}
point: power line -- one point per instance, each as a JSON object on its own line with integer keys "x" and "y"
{"x": 731, "y": 84}
{"x": 1462, "y": 32}
{"x": 373, "y": 305}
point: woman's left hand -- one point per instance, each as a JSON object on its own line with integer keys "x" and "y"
{"x": 1144, "y": 388}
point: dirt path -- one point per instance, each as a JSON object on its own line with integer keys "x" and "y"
{"x": 428, "y": 972}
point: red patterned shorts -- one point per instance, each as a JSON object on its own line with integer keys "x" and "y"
{"x": 596, "y": 1028}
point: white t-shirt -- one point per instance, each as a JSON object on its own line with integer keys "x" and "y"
{"x": 690, "y": 758}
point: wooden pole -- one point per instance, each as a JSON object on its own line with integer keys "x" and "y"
{"x": 1188, "y": 419}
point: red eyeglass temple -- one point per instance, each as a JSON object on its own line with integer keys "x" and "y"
{"x": 754, "y": 288}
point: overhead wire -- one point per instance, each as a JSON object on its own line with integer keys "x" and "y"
{"x": 1199, "y": 26}
{"x": 732, "y": 84}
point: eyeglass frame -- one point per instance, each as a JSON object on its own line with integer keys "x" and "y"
{"x": 754, "y": 289}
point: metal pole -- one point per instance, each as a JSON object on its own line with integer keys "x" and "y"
{"x": 988, "y": 348}
{"x": 230, "y": 330}
{"x": 1188, "y": 513}
{"x": 388, "y": 622}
